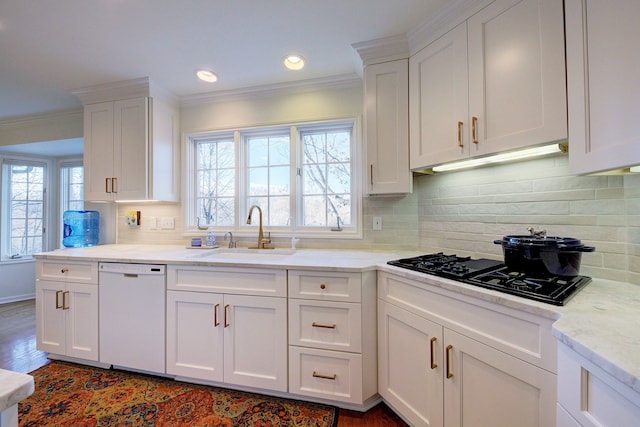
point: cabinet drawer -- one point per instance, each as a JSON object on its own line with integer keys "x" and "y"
{"x": 328, "y": 325}
{"x": 325, "y": 285}
{"x": 515, "y": 332}
{"x": 325, "y": 374}
{"x": 67, "y": 271}
{"x": 229, "y": 280}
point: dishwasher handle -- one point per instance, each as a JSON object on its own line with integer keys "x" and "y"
{"x": 132, "y": 270}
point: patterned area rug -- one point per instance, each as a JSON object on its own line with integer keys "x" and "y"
{"x": 67, "y": 394}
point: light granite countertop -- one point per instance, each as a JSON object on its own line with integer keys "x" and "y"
{"x": 599, "y": 323}
{"x": 13, "y": 388}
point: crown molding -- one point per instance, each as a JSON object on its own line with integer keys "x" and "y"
{"x": 382, "y": 50}
{"x": 311, "y": 85}
{"x": 44, "y": 118}
{"x": 123, "y": 89}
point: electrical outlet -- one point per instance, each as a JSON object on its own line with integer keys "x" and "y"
{"x": 377, "y": 223}
{"x": 167, "y": 223}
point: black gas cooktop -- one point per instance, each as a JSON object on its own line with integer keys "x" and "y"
{"x": 495, "y": 275}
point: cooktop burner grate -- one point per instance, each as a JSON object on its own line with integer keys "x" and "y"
{"x": 495, "y": 275}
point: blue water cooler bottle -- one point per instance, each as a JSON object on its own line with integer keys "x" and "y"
{"x": 81, "y": 228}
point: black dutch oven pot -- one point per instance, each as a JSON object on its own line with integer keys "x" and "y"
{"x": 541, "y": 255}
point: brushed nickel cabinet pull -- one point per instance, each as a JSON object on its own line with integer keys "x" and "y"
{"x": 215, "y": 315}
{"x": 326, "y": 377}
{"x": 434, "y": 365}
{"x": 226, "y": 320}
{"x": 58, "y": 300}
{"x": 449, "y": 373}
{"x": 107, "y": 184}
{"x": 460, "y": 134}
{"x": 474, "y": 133}
{"x": 64, "y": 300}
{"x": 320, "y": 325}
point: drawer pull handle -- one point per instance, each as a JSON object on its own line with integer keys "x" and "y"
{"x": 64, "y": 270}
{"x": 320, "y": 325}
{"x": 226, "y": 322}
{"x": 64, "y": 300}
{"x": 434, "y": 365}
{"x": 449, "y": 373}
{"x": 58, "y": 299}
{"x": 215, "y": 315}
{"x": 460, "y": 134}
{"x": 323, "y": 286}
{"x": 326, "y": 377}
{"x": 107, "y": 183}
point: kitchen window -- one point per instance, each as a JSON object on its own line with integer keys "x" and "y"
{"x": 302, "y": 177}
{"x": 23, "y": 207}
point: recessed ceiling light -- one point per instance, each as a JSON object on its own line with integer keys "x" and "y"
{"x": 207, "y": 76}
{"x": 294, "y": 62}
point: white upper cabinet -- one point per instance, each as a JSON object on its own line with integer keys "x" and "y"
{"x": 131, "y": 145}
{"x": 386, "y": 107}
{"x": 602, "y": 83}
{"x": 495, "y": 82}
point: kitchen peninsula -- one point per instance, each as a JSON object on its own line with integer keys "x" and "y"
{"x": 595, "y": 330}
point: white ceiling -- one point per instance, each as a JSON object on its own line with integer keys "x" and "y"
{"x": 48, "y": 48}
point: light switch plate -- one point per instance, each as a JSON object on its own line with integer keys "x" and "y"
{"x": 167, "y": 223}
{"x": 377, "y": 223}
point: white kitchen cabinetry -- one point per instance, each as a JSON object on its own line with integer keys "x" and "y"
{"x": 332, "y": 336}
{"x": 449, "y": 360}
{"x": 386, "y": 104}
{"x": 228, "y": 325}
{"x": 67, "y": 308}
{"x": 130, "y": 151}
{"x": 602, "y": 84}
{"x": 590, "y": 397}
{"x": 493, "y": 83}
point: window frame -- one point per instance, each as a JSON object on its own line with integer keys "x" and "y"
{"x": 354, "y": 231}
{"x": 47, "y": 210}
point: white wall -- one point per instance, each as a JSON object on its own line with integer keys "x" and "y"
{"x": 17, "y": 281}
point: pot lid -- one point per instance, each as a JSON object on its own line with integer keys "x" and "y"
{"x": 541, "y": 241}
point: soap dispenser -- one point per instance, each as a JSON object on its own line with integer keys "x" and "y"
{"x": 211, "y": 239}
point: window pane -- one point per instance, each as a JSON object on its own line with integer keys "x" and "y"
{"x": 258, "y": 151}
{"x": 315, "y": 211}
{"x": 25, "y": 188}
{"x": 215, "y": 181}
{"x": 279, "y": 180}
{"x": 327, "y": 177}
{"x": 279, "y": 211}
{"x": 258, "y": 182}
{"x": 279, "y": 151}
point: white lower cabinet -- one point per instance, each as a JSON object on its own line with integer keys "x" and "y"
{"x": 332, "y": 337}
{"x": 590, "y": 397}
{"x": 440, "y": 363}
{"x": 230, "y": 338}
{"x": 67, "y": 309}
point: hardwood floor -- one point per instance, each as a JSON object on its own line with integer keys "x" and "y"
{"x": 18, "y": 353}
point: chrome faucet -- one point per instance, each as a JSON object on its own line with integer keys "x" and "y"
{"x": 232, "y": 243}
{"x": 261, "y": 240}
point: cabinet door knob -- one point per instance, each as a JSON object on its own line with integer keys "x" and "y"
{"x": 323, "y": 286}
{"x": 64, "y": 270}
{"x": 449, "y": 373}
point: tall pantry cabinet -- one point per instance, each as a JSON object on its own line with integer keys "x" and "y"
{"x": 131, "y": 144}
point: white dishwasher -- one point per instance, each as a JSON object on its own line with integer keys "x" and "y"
{"x": 132, "y": 316}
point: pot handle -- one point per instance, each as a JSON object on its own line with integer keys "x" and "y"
{"x": 576, "y": 248}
